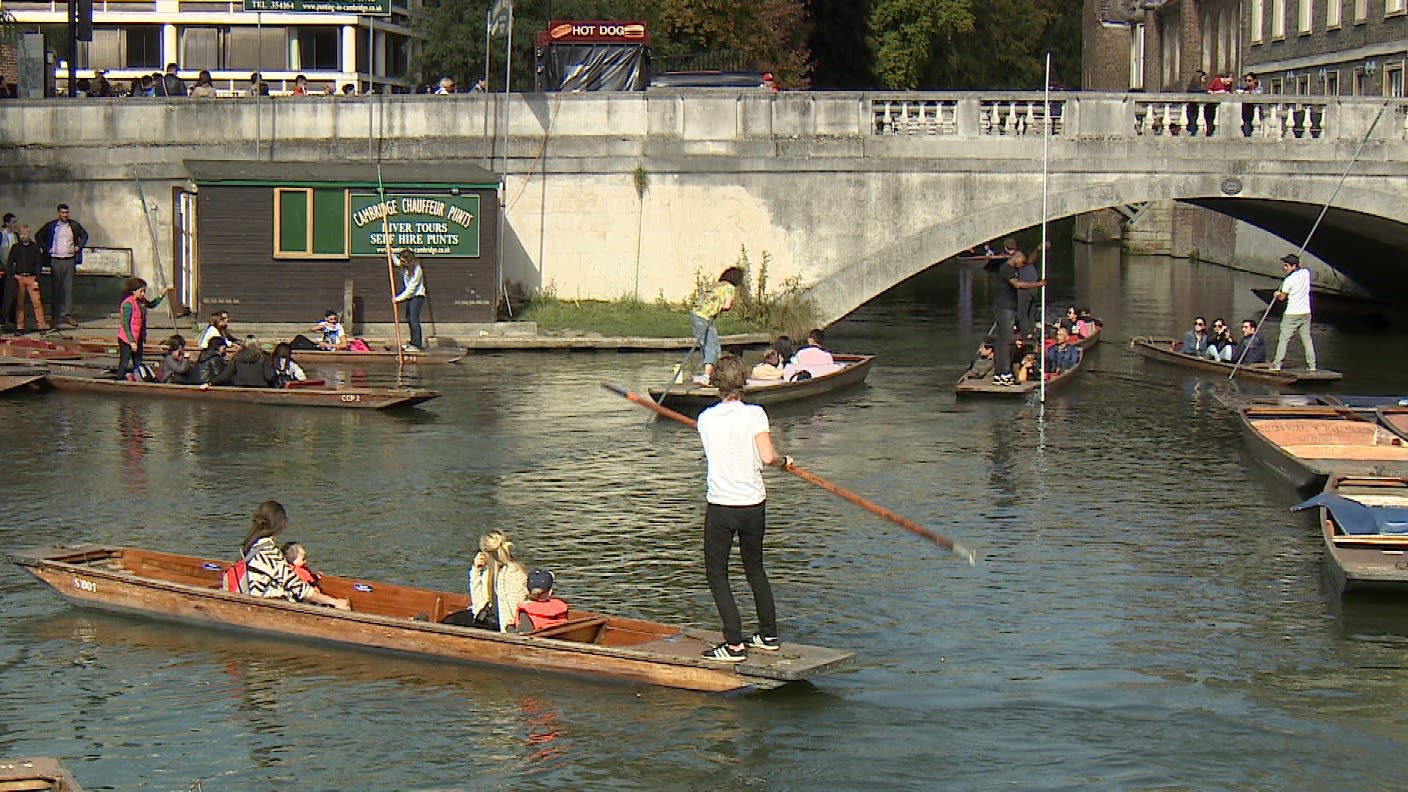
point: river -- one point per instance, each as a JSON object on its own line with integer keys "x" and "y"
{"x": 1147, "y": 612}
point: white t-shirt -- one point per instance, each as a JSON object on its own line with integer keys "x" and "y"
{"x": 735, "y": 470}
{"x": 1297, "y": 289}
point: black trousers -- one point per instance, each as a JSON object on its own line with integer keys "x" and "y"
{"x": 1002, "y": 340}
{"x": 7, "y": 300}
{"x": 721, "y": 524}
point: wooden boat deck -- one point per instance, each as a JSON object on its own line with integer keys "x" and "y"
{"x": 39, "y": 774}
{"x": 1366, "y": 561}
{"x": 1308, "y": 444}
{"x": 21, "y": 377}
{"x": 692, "y": 396}
{"x": 1168, "y": 350}
{"x": 405, "y": 619}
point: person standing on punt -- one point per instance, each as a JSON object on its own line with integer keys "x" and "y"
{"x": 737, "y": 443}
{"x": 706, "y": 310}
{"x": 413, "y": 295}
{"x": 132, "y": 327}
{"x": 1295, "y": 290}
{"x": 267, "y": 572}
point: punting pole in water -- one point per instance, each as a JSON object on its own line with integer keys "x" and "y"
{"x": 683, "y": 369}
{"x": 156, "y": 251}
{"x": 957, "y": 549}
{"x": 1045, "y": 179}
{"x": 1323, "y": 211}
{"x": 390, "y": 270}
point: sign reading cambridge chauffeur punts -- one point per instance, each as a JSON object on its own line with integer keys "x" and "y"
{"x": 431, "y": 225}
{"x": 362, "y": 7}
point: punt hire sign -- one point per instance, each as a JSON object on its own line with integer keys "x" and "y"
{"x": 363, "y": 7}
{"x": 431, "y": 225}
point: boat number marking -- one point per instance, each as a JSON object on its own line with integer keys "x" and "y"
{"x": 361, "y": 587}
{"x": 351, "y": 397}
{"x": 85, "y": 585}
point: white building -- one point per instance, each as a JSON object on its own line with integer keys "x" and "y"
{"x": 331, "y": 49}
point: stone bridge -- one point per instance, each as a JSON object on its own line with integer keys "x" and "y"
{"x": 851, "y": 193}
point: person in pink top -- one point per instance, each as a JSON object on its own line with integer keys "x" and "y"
{"x": 132, "y": 327}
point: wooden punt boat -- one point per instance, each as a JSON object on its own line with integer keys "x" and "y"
{"x": 356, "y": 398}
{"x": 1167, "y": 350}
{"x": 1308, "y": 444}
{"x": 17, "y": 377}
{"x": 378, "y": 354}
{"x": 44, "y": 351}
{"x": 978, "y": 381}
{"x": 1364, "y": 525}
{"x": 40, "y": 774}
{"x": 403, "y": 619}
{"x": 693, "y": 397}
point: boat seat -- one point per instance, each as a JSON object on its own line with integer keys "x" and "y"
{"x": 584, "y": 629}
{"x": 310, "y": 383}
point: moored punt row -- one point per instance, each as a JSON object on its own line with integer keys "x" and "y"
{"x": 1364, "y": 526}
{"x": 1307, "y": 444}
{"x": 399, "y": 618}
{"x": 357, "y": 398}
{"x": 691, "y": 396}
{"x": 377, "y": 354}
{"x": 1168, "y": 350}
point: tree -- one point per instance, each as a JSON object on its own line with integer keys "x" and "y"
{"x": 840, "y": 43}
{"x": 908, "y": 32}
{"x": 775, "y": 32}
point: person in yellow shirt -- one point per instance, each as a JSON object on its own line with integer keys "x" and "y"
{"x": 706, "y": 309}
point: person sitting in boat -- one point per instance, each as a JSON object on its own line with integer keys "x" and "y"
{"x": 1251, "y": 349}
{"x": 811, "y": 357}
{"x": 977, "y": 368}
{"x": 541, "y": 609}
{"x": 769, "y": 368}
{"x": 1220, "y": 344}
{"x": 285, "y": 370}
{"x": 785, "y": 348}
{"x": 1026, "y": 368}
{"x": 297, "y": 556}
{"x": 1088, "y": 324}
{"x": 250, "y": 368}
{"x": 497, "y": 586}
{"x": 214, "y": 359}
{"x": 1062, "y": 356}
{"x": 177, "y": 366}
{"x": 1195, "y": 341}
{"x": 1071, "y": 321}
{"x": 331, "y": 330}
{"x": 267, "y": 573}
{"x": 219, "y": 327}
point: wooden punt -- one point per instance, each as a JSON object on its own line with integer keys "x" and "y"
{"x": 355, "y": 398}
{"x": 396, "y": 618}
{"x": 18, "y": 377}
{"x": 378, "y": 354}
{"x": 693, "y": 397}
{"x": 44, "y": 351}
{"x": 1308, "y": 444}
{"x": 1167, "y": 350}
{"x": 39, "y": 774}
{"x": 1364, "y": 526}
{"x": 978, "y": 381}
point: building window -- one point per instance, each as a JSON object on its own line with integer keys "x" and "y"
{"x": 203, "y": 47}
{"x": 1136, "y": 58}
{"x": 1258, "y": 22}
{"x": 1303, "y": 85}
{"x": 1395, "y": 6}
{"x": 314, "y": 48}
{"x": 1278, "y": 19}
{"x": 1277, "y": 87}
{"x": 310, "y": 222}
{"x": 1333, "y": 10}
{"x": 1361, "y": 11}
{"x": 105, "y": 50}
{"x": 1393, "y": 82}
{"x": 142, "y": 48}
{"x": 1361, "y": 83}
{"x": 257, "y": 49}
{"x": 1304, "y": 17}
{"x": 1332, "y": 83}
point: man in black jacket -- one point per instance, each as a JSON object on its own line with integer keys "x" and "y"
{"x": 61, "y": 241}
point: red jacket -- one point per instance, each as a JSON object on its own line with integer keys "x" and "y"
{"x": 544, "y": 613}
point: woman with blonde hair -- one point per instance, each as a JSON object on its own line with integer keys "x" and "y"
{"x": 497, "y": 583}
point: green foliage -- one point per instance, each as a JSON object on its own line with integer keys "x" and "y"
{"x": 909, "y": 32}
{"x": 784, "y": 310}
{"x": 626, "y": 317}
{"x": 774, "y": 31}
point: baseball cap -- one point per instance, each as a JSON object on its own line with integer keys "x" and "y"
{"x": 1292, "y": 259}
{"x": 539, "y": 580}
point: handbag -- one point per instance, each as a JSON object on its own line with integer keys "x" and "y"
{"x": 488, "y": 617}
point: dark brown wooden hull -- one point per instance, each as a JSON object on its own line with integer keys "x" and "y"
{"x": 10, "y": 381}
{"x": 382, "y": 355}
{"x": 693, "y": 397}
{"x": 1365, "y": 563}
{"x": 1165, "y": 350}
{"x": 1306, "y": 445}
{"x": 353, "y": 398}
{"x": 403, "y": 619}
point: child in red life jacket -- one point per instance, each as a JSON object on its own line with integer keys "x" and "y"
{"x": 541, "y": 607}
{"x": 298, "y": 559}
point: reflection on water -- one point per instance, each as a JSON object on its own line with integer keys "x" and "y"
{"x": 1148, "y": 612}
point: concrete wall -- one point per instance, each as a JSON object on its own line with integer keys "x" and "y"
{"x": 853, "y": 193}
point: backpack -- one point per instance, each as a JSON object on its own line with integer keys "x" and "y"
{"x": 358, "y": 345}
{"x": 233, "y": 578}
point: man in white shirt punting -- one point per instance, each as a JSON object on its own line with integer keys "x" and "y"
{"x": 1295, "y": 290}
